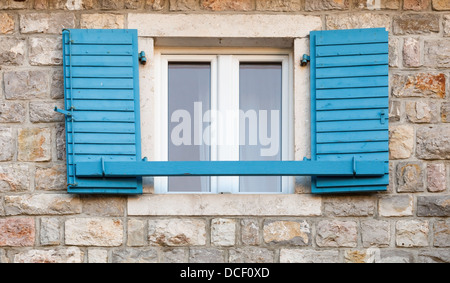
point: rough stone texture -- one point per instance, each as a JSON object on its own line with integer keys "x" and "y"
{"x": 60, "y": 142}
{"x": 206, "y": 255}
{"x": 377, "y": 4}
{"x": 422, "y": 112}
{"x": 136, "y": 233}
{"x": 251, "y": 255}
{"x": 436, "y": 177}
{"x": 352, "y": 21}
{"x": 45, "y": 51}
{"x": 394, "y": 52}
{"x": 63, "y": 255}
{"x": 112, "y": 4}
{"x": 7, "y": 144}
{"x": 223, "y": 232}
{"x": 438, "y": 205}
{"x": 432, "y": 142}
{"x": 319, "y": 5}
{"x": 401, "y": 141}
{"x": 106, "y": 232}
{"x": 34, "y": 144}
{"x": 416, "y": 5}
{"x": 97, "y": 256}
{"x": 35, "y": 204}
{"x": 14, "y": 178}
{"x": 57, "y": 84}
{"x": 104, "y": 205}
{"x": 138, "y": 255}
{"x": 411, "y": 233}
{"x": 102, "y": 21}
{"x": 396, "y": 205}
{"x": 177, "y": 232}
{"x": 12, "y": 112}
{"x": 183, "y": 5}
{"x": 437, "y": 53}
{"x": 395, "y": 111}
{"x": 441, "y": 233}
{"x": 174, "y": 255}
{"x": 43, "y": 112}
{"x": 441, "y": 5}
{"x": 419, "y": 85}
{"x": 410, "y": 177}
{"x": 415, "y": 24}
{"x": 227, "y": 5}
{"x": 308, "y": 256}
{"x": 278, "y": 5}
{"x": 336, "y": 233}
{"x": 7, "y": 23}
{"x": 411, "y": 52}
{"x": 349, "y": 206}
{"x": 297, "y": 233}
{"x": 12, "y": 51}
{"x": 375, "y": 233}
{"x": 26, "y": 84}
{"x": 17, "y": 232}
{"x": 370, "y": 255}
{"x": 250, "y": 232}
{"x": 49, "y": 233}
{"x": 396, "y": 256}
{"x": 51, "y": 179}
{"x": 46, "y": 23}
{"x": 446, "y": 25}
{"x": 434, "y": 256}
{"x": 74, "y": 4}
{"x": 155, "y": 5}
{"x": 445, "y": 112}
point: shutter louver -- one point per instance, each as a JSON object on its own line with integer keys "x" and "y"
{"x": 349, "y": 104}
{"x": 101, "y": 93}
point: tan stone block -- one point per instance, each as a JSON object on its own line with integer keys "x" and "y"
{"x": 401, "y": 142}
{"x": 319, "y": 5}
{"x": 419, "y": 85}
{"x": 441, "y": 5}
{"x": 102, "y": 21}
{"x": 177, "y": 232}
{"x": 228, "y": 5}
{"x": 34, "y": 144}
{"x": 354, "y": 21}
{"x": 296, "y": 233}
{"x": 106, "y": 232}
{"x": 7, "y": 23}
{"x": 416, "y": 5}
{"x": 17, "y": 232}
{"x": 279, "y": 5}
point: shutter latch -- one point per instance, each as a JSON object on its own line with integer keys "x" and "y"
{"x": 65, "y": 112}
{"x": 305, "y": 60}
{"x": 382, "y": 117}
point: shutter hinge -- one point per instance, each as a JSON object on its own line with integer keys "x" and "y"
{"x": 305, "y": 60}
{"x": 142, "y": 58}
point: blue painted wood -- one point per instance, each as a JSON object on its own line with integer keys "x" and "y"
{"x": 102, "y": 93}
{"x": 344, "y": 72}
{"x": 230, "y": 168}
{"x": 351, "y": 49}
{"x": 352, "y": 92}
{"x": 349, "y": 98}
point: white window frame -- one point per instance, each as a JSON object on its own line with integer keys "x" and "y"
{"x": 224, "y": 65}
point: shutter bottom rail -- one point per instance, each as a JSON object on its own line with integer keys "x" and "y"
{"x": 229, "y": 168}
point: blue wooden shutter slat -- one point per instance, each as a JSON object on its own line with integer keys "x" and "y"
{"x": 349, "y": 104}
{"x": 102, "y": 92}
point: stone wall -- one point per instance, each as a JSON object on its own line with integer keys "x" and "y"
{"x": 40, "y": 222}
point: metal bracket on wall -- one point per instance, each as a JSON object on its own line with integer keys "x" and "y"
{"x": 305, "y": 60}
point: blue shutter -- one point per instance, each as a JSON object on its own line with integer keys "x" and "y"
{"x": 102, "y": 105}
{"x": 349, "y": 104}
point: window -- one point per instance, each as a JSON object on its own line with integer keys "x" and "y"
{"x": 220, "y": 107}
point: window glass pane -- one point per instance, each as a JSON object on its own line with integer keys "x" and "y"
{"x": 260, "y": 88}
{"x": 189, "y": 88}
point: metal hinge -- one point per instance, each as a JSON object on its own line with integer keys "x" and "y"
{"x": 142, "y": 58}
